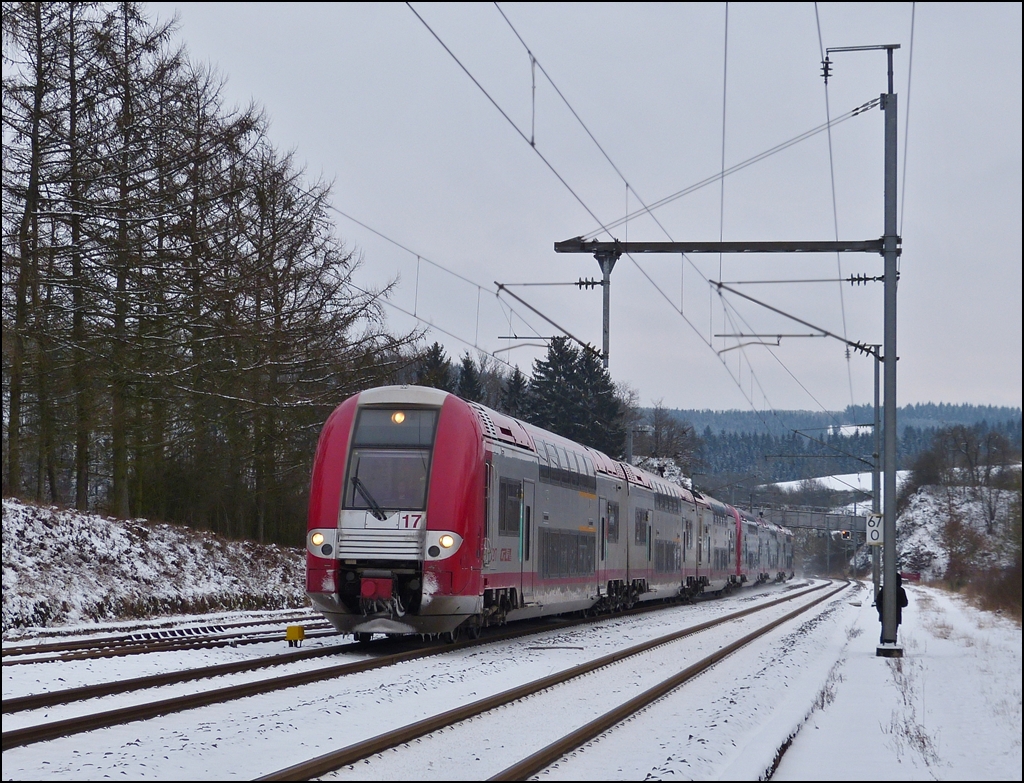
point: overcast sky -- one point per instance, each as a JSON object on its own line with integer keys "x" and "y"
{"x": 368, "y": 99}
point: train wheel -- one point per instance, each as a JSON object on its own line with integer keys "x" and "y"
{"x": 362, "y": 638}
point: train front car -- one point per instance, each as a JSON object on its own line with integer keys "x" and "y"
{"x": 395, "y": 533}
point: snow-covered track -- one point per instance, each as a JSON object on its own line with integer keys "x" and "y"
{"x": 186, "y": 637}
{"x": 62, "y": 728}
{"x": 70, "y": 726}
{"x": 392, "y": 739}
{"x": 66, "y": 696}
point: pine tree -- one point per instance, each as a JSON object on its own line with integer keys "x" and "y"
{"x": 600, "y": 411}
{"x": 469, "y": 387}
{"x": 572, "y": 394}
{"x": 435, "y": 369}
{"x": 552, "y": 388}
{"x": 514, "y": 393}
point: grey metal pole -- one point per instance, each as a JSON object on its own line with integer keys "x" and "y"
{"x": 828, "y": 548}
{"x": 606, "y": 261}
{"x": 889, "y": 244}
{"x": 876, "y": 498}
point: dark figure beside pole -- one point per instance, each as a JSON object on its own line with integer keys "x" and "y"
{"x": 901, "y": 601}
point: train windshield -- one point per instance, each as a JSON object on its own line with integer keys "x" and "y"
{"x": 390, "y": 459}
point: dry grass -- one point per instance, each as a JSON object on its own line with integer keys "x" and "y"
{"x": 998, "y": 593}
{"x": 903, "y": 727}
{"x": 941, "y": 630}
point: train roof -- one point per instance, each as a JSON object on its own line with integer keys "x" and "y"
{"x": 502, "y": 428}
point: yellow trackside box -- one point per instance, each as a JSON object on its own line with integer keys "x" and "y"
{"x": 294, "y": 634}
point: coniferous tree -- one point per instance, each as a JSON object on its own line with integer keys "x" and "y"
{"x": 600, "y": 411}
{"x": 435, "y": 369}
{"x": 514, "y": 391}
{"x": 552, "y": 389}
{"x": 469, "y": 386}
{"x": 572, "y": 394}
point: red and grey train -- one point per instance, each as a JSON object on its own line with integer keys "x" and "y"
{"x": 429, "y": 514}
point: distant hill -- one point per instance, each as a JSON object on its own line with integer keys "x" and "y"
{"x": 795, "y": 445}
{"x": 920, "y": 416}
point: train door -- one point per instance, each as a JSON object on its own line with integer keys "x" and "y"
{"x": 701, "y": 570}
{"x": 641, "y": 558}
{"x": 689, "y": 555}
{"x": 602, "y": 544}
{"x": 528, "y": 543}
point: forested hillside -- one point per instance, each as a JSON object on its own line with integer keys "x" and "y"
{"x": 920, "y": 416}
{"x": 804, "y": 444}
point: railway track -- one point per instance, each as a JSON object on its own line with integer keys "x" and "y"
{"x": 536, "y": 762}
{"x": 70, "y": 726}
{"x": 190, "y": 637}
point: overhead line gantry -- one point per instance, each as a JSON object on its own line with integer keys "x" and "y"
{"x": 888, "y": 246}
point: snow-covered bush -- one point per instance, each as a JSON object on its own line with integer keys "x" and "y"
{"x": 62, "y": 567}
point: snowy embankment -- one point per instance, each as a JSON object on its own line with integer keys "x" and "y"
{"x": 981, "y": 516}
{"x": 63, "y": 567}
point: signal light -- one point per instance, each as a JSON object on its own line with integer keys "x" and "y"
{"x": 846, "y": 535}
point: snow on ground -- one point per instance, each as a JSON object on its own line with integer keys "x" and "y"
{"x": 919, "y": 528}
{"x": 62, "y": 567}
{"x": 847, "y": 481}
{"x": 949, "y": 709}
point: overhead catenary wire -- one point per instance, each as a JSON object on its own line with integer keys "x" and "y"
{"x": 712, "y": 179}
{"x": 415, "y": 314}
{"x": 835, "y": 211}
{"x": 646, "y": 209}
{"x": 505, "y": 115}
{"x": 906, "y": 122}
{"x": 605, "y": 228}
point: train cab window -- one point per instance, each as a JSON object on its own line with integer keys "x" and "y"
{"x": 510, "y": 504}
{"x": 381, "y": 479}
{"x": 390, "y": 459}
{"x": 391, "y": 427}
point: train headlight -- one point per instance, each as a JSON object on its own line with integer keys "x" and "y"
{"x": 398, "y": 417}
{"x": 317, "y": 539}
{"x": 441, "y": 544}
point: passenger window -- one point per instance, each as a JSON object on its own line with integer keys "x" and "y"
{"x": 552, "y": 456}
{"x": 510, "y": 503}
{"x": 640, "y": 533}
{"x": 613, "y": 523}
